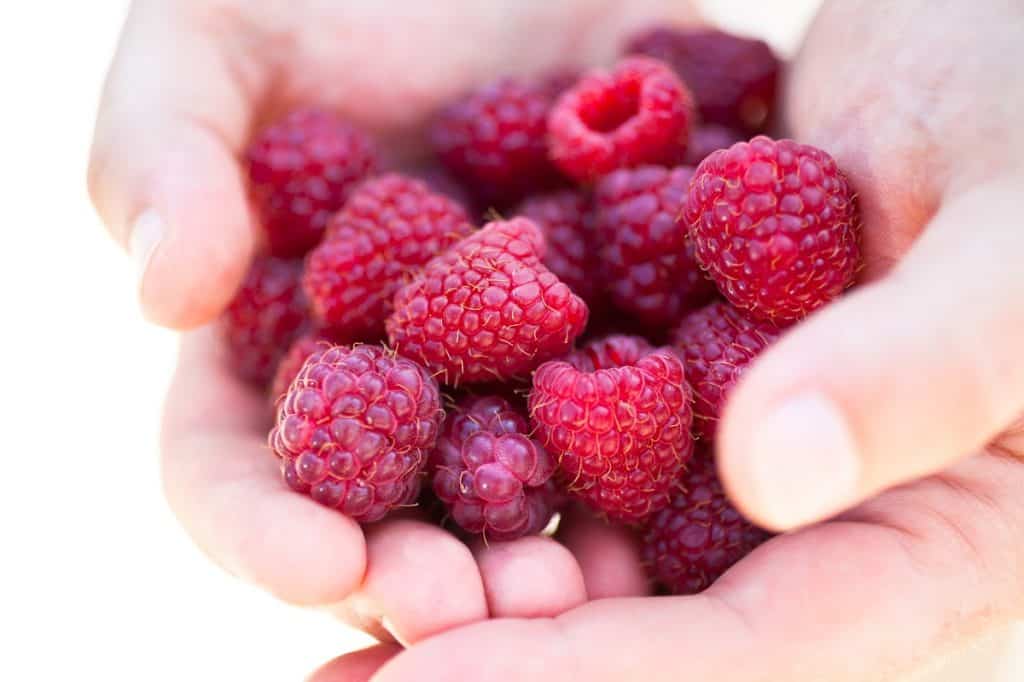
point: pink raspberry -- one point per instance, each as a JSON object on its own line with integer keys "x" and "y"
{"x": 733, "y": 79}
{"x": 699, "y": 535}
{"x": 354, "y": 429}
{"x": 390, "y": 226}
{"x": 621, "y": 433}
{"x": 710, "y": 138}
{"x": 647, "y": 253}
{"x": 493, "y": 140}
{"x": 266, "y": 314}
{"x": 775, "y": 225}
{"x": 487, "y": 309}
{"x": 292, "y": 362}
{"x": 637, "y": 113}
{"x": 302, "y": 169}
{"x": 494, "y": 479}
{"x": 566, "y": 220}
{"x": 716, "y": 344}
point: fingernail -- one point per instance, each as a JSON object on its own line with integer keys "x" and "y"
{"x": 390, "y": 627}
{"x": 146, "y": 233}
{"x": 803, "y": 462}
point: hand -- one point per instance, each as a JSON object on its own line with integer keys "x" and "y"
{"x": 899, "y": 403}
{"x": 190, "y": 81}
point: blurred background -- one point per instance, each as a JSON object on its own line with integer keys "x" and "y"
{"x": 98, "y": 581}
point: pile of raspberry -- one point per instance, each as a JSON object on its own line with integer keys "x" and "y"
{"x": 647, "y": 242}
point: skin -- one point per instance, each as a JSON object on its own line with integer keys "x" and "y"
{"x": 885, "y": 430}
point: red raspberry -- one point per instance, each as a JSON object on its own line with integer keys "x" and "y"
{"x": 354, "y": 429}
{"x": 491, "y": 475}
{"x": 614, "y": 350}
{"x": 487, "y": 309}
{"x": 266, "y": 314}
{"x": 717, "y": 343}
{"x": 621, "y": 434}
{"x": 302, "y": 169}
{"x": 566, "y": 220}
{"x": 775, "y": 225}
{"x": 494, "y": 140}
{"x": 647, "y": 253}
{"x": 637, "y": 113}
{"x": 390, "y": 226}
{"x": 441, "y": 181}
{"x": 710, "y": 138}
{"x": 292, "y": 361}
{"x": 733, "y": 79}
{"x": 692, "y": 542}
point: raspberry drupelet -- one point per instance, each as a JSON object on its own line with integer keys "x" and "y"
{"x": 621, "y": 433}
{"x": 355, "y": 427}
{"x": 293, "y": 360}
{"x": 494, "y": 479}
{"x": 302, "y": 169}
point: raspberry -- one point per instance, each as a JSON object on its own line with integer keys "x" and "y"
{"x": 566, "y": 220}
{"x": 441, "y": 181}
{"x": 354, "y": 429}
{"x": 487, "y": 309}
{"x": 266, "y": 314}
{"x": 614, "y": 350}
{"x": 647, "y": 253}
{"x": 709, "y": 138}
{"x": 390, "y": 226}
{"x": 717, "y": 343}
{"x": 493, "y": 140}
{"x": 637, "y": 113}
{"x": 302, "y": 169}
{"x": 733, "y": 79}
{"x": 292, "y": 361}
{"x": 494, "y": 479}
{"x": 775, "y": 225}
{"x": 621, "y": 434}
{"x": 692, "y": 542}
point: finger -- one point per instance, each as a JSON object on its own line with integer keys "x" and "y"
{"x": 895, "y": 381}
{"x": 814, "y": 605}
{"x": 224, "y": 486}
{"x": 529, "y": 578}
{"x": 163, "y": 172}
{"x": 608, "y": 556}
{"x": 358, "y": 666}
{"x": 420, "y": 580}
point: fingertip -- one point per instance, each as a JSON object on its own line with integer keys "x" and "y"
{"x": 608, "y": 555}
{"x": 530, "y": 577}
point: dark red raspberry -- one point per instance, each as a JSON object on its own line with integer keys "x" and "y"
{"x": 717, "y": 343}
{"x": 637, "y": 113}
{"x": 775, "y": 225}
{"x": 733, "y": 79}
{"x": 710, "y": 138}
{"x": 354, "y": 429}
{"x": 647, "y": 253}
{"x": 567, "y": 222}
{"x": 614, "y": 350}
{"x": 302, "y": 169}
{"x": 266, "y": 314}
{"x": 494, "y": 140}
{"x": 494, "y": 479}
{"x": 692, "y": 542}
{"x": 390, "y": 226}
{"x": 621, "y": 434}
{"x": 487, "y": 309}
{"x": 292, "y": 361}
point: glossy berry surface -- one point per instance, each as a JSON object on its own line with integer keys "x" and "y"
{"x": 487, "y": 309}
{"x": 302, "y": 169}
{"x": 621, "y": 434}
{"x": 390, "y": 226}
{"x": 492, "y": 477}
{"x": 733, "y": 79}
{"x": 647, "y": 253}
{"x": 775, "y": 225}
{"x": 266, "y": 314}
{"x": 699, "y": 535}
{"x": 717, "y": 344}
{"x": 637, "y": 113}
{"x": 354, "y": 429}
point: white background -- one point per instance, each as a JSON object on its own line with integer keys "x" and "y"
{"x": 96, "y": 579}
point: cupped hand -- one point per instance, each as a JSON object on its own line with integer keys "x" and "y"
{"x": 190, "y": 82}
{"x": 896, "y": 408}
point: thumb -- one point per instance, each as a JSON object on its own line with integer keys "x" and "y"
{"x": 163, "y": 172}
{"x": 895, "y": 381}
